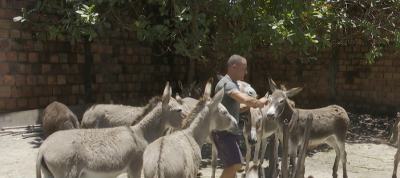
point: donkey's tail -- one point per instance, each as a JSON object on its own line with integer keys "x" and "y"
{"x": 39, "y": 160}
{"x": 40, "y": 163}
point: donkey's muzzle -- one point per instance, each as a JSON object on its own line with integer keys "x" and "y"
{"x": 251, "y": 141}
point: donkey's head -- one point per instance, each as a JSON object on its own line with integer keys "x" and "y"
{"x": 246, "y": 88}
{"x": 221, "y": 119}
{"x": 173, "y": 111}
{"x": 279, "y": 100}
{"x": 395, "y": 130}
{"x": 186, "y": 91}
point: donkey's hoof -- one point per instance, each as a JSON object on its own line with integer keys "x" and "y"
{"x": 394, "y": 176}
{"x": 199, "y": 173}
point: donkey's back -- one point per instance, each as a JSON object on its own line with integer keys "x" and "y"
{"x": 110, "y": 115}
{"x": 167, "y": 163}
{"x": 57, "y": 117}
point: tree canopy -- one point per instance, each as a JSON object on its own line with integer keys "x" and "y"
{"x": 201, "y": 29}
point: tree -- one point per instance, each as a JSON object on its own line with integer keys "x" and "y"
{"x": 201, "y": 30}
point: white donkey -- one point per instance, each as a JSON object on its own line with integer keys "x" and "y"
{"x": 394, "y": 139}
{"x": 179, "y": 154}
{"x": 112, "y": 151}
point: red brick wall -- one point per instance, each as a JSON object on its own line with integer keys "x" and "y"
{"x": 115, "y": 67}
{"x": 361, "y": 87}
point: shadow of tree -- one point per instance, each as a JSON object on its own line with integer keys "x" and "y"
{"x": 37, "y": 141}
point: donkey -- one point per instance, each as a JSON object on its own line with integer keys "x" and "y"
{"x": 57, "y": 116}
{"x": 255, "y": 171}
{"x": 193, "y": 91}
{"x": 394, "y": 139}
{"x": 111, "y": 151}
{"x": 179, "y": 154}
{"x": 329, "y": 124}
{"x": 112, "y": 115}
{"x": 243, "y": 87}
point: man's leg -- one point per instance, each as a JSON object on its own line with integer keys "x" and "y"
{"x": 229, "y": 153}
{"x": 230, "y": 171}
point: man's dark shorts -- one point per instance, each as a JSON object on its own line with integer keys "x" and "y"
{"x": 228, "y": 147}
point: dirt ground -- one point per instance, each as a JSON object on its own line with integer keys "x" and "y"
{"x": 368, "y": 154}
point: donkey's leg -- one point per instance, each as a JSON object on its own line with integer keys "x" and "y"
{"x": 214, "y": 153}
{"x": 264, "y": 143}
{"x": 396, "y": 161}
{"x": 256, "y": 151}
{"x": 292, "y": 154}
{"x": 343, "y": 157}
{"x": 135, "y": 169}
{"x": 331, "y": 141}
{"x": 248, "y": 156}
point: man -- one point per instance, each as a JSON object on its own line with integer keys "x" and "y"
{"x": 226, "y": 142}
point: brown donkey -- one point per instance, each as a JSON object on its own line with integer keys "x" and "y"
{"x": 57, "y": 117}
{"x": 329, "y": 124}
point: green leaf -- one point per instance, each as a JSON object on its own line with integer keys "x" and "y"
{"x": 107, "y": 25}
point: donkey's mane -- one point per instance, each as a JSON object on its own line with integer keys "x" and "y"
{"x": 153, "y": 102}
{"x": 193, "y": 114}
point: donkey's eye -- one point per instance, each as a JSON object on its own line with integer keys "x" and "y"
{"x": 225, "y": 112}
{"x": 179, "y": 110}
{"x": 281, "y": 101}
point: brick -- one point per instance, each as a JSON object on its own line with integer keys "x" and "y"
{"x": 80, "y": 58}
{"x": 11, "y": 103}
{"x": 96, "y": 58}
{"x": 15, "y": 34}
{"x": 47, "y": 90}
{"x": 109, "y": 49}
{"x": 2, "y": 104}
{"x": 100, "y": 49}
{"x": 26, "y": 35}
{"x": 22, "y": 57}
{"x": 93, "y": 48}
{"x": 388, "y": 75}
{"x": 16, "y": 91}
{"x": 27, "y": 46}
{"x": 382, "y": 68}
{"x": 17, "y": 45}
{"x": 54, "y": 58}
{"x": 4, "y": 33}
{"x": 46, "y": 68}
{"x": 22, "y": 102}
{"x": 75, "y": 89}
{"x": 25, "y": 68}
{"x": 37, "y": 91}
{"x": 27, "y": 91}
{"x": 9, "y": 80}
{"x": 61, "y": 80}
{"x": 57, "y": 90}
{"x": 63, "y": 58}
{"x": 5, "y": 91}
{"x": 388, "y": 62}
{"x": 20, "y": 80}
{"x": 41, "y": 80}
{"x": 6, "y": 44}
{"x": 33, "y": 102}
{"x": 43, "y": 101}
{"x": 33, "y": 57}
{"x": 5, "y": 23}
{"x": 51, "y": 80}
{"x": 31, "y": 80}
{"x": 65, "y": 69}
{"x": 2, "y": 13}
{"x": 71, "y": 100}
{"x": 11, "y": 56}
{"x": 38, "y": 46}
{"x": 4, "y": 68}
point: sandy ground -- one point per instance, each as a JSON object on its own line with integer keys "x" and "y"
{"x": 369, "y": 159}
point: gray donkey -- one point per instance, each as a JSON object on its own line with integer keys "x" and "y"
{"x": 179, "y": 154}
{"x": 111, "y": 151}
{"x": 394, "y": 139}
{"x": 329, "y": 124}
{"x": 57, "y": 116}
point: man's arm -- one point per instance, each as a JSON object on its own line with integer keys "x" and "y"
{"x": 247, "y": 100}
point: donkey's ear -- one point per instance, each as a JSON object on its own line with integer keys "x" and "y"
{"x": 207, "y": 89}
{"x": 293, "y": 91}
{"x": 167, "y": 94}
{"x": 192, "y": 85}
{"x": 219, "y": 76}
{"x": 217, "y": 98}
{"x": 180, "y": 85}
{"x": 272, "y": 84}
{"x": 178, "y": 99}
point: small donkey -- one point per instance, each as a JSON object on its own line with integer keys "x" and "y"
{"x": 111, "y": 151}
{"x": 179, "y": 154}
{"x": 329, "y": 124}
{"x": 57, "y": 116}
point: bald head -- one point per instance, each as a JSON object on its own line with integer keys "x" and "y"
{"x": 235, "y": 59}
